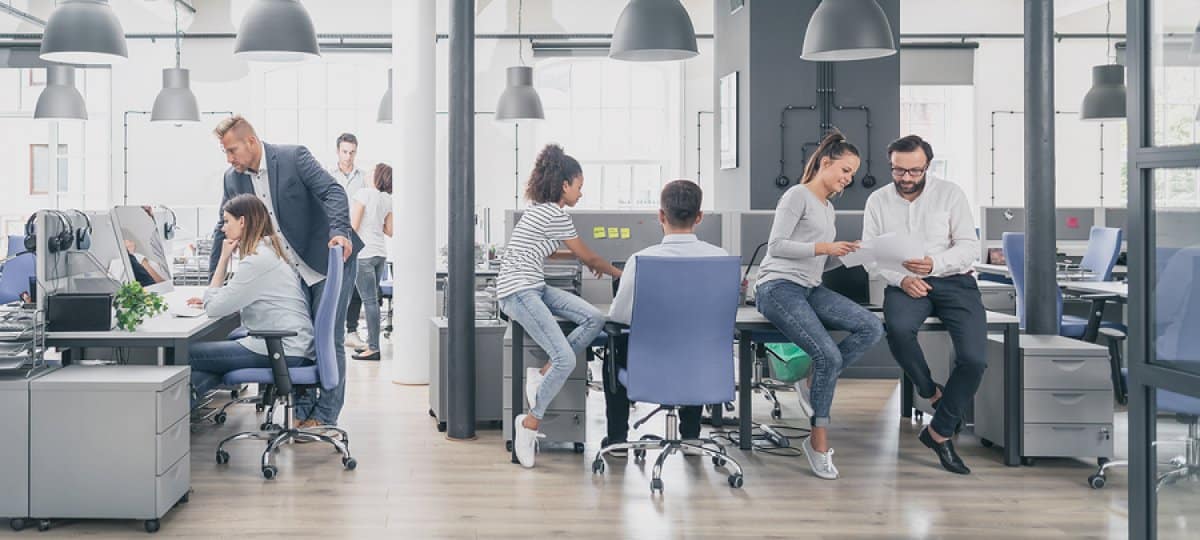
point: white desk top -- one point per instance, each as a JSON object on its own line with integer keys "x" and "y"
{"x": 161, "y": 326}
{"x": 1002, "y": 270}
{"x": 1097, "y": 287}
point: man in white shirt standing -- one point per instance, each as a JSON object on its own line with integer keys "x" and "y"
{"x": 679, "y": 213}
{"x": 940, "y": 284}
{"x": 352, "y": 179}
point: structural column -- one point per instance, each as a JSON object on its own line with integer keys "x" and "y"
{"x": 460, "y": 286}
{"x": 414, "y": 82}
{"x": 1041, "y": 285}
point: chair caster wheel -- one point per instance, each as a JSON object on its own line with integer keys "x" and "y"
{"x": 151, "y": 526}
{"x": 578, "y": 448}
{"x": 1100, "y": 462}
{"x": 259, "y": 407}
{"x": 220, "y": 418}
{"x": 986, "y": 443}
{"x": 269, "y": 472}
{"x": 918, "y": 416}
{"x": 349, "y": 463}
{"x": 639, "y": 455}
{"x": 508, "y": 446}
{"x": 776, "y": 414}
{"x": 222, "y": 457}
{"x": 441, "y": 427}
{"x": 266, "y": 426}
{"x": 718, "y": 462}
{"x": 17, "y": 524}
{"x": 186, "y": 498}
{"x": 1096, "y": 481}
{"x": 656, "y": 484}
{"x": 735, "y": 481}
{"x": 598, "y": 466}
{"x": 1028, "y": 461}
{"x": 43, "y": 525}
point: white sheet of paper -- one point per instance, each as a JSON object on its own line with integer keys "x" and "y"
{"x": 887, "y": 252}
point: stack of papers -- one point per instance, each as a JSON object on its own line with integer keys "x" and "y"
{"x": 887, "y": 252}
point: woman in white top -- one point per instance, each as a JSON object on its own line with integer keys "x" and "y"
{"x": 556, "y": 182}
{"x": 265, "y": 290}
{"x": 371, "y": 217}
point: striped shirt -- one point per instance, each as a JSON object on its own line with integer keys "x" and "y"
{"x": 540, "y": 231}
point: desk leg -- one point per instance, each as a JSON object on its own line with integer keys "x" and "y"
{"x": 906, "y": 396}
{"x": 1013, "y": 409}
{"x": 67, "y": 354}
{"x": 177, "y": 355}
{"x": 516, "y": 401}
{"x": 745, "y": 377}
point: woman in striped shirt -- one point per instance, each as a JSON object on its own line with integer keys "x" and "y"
{"x": 556, "y": 182}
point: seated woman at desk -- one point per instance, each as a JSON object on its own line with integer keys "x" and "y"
{"x": 266, "y": 291}
{"x": 790, "y": 294}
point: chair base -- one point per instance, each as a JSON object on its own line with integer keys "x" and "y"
{"x": 288, "y": 435}
{"x": 1186, "y": 466}
{"x": 670, "y": 445}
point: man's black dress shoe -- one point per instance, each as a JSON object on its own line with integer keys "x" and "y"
{"x": 945, "y": 453}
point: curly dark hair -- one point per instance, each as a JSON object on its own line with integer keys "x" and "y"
{"x": 552, "y": 168}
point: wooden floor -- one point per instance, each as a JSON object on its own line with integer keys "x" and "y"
{"x": 413, "y": 483}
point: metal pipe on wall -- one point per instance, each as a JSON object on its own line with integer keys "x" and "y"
{"x": 460, "y": 283}
{"x": 1041, "y": 285}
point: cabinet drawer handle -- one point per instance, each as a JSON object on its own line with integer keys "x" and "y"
{"x": 1069, "y": 364}
{"x": 1068, "y": 428}
{"x": 1071, "y": 398}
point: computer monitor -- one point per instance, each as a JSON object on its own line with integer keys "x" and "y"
{"x": 141, "y": 235}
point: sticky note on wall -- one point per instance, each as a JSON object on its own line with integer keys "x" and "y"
{"x": 614, "y": 232}
{"x": 625, "y": 233}
{"x": 598, "y": 233}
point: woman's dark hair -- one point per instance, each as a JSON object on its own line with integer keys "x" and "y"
{"x": 833, "y": 146}
{"x": 552, "y": 168}
{"x": 680, "y": 201}
{"x": 911, "y": 143}
{"x": 383, "y": 177}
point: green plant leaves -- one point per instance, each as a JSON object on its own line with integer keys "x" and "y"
{"x": 134, "y": 305}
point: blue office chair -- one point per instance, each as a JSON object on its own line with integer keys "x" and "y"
{"x": 386, "y": 289}
{"x": 1176, "y": 342}
{"x": 1104, "y": 245}
{"x": 680, "y": 350}
{"x": 1070, "y": 326}
{"x": 14, "y": 279}
{"x": 16, "y": 244}
{"x": 288, "y": 380}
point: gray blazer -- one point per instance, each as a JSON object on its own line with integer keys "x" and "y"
{"x": 308, "y": 203}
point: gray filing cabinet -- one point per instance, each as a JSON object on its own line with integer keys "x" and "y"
{"x": 998, "y": 297}
{"x": 489, "y": 337}
{"x": 109, "y": 442}
{"x": 1067, "y": 398}
{"x": 14, "y": 445}
{"x": 566, "y": 417}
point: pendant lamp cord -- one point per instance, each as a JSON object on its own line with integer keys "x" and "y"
{"x": 177, "y": 38}
{"x": 1108, "y": 52}
{"x": 520, "y": 46}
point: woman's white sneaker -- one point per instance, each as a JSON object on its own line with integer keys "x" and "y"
{"x": 821, "y": 462}
{"x": 525, "y": 442}
{"x": 802, "y": 395}
{"x": 533, "y": 381}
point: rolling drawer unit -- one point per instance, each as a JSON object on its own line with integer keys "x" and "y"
{"x": 14, "y": 446}
{"x": 110, "y": 442}
{"x": 489, "y": 335}
{"x": 1067, "y": 398}
{"x": 566, "y": 417}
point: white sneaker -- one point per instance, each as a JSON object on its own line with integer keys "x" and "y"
{"x": 525, "y": 442}
{"x": 533, "y": 381}
{"x": 803, "y": 393}
{"x": 354, "y": 342}
{"x": 821, "y": 462}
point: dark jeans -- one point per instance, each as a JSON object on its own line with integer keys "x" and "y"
{"x": 353, "y": 312}
{"x": 616, "y": 403}
{"x": 211, "y": 360}
{"x": 326, "y": 408}
{"x": 955, "y": 300}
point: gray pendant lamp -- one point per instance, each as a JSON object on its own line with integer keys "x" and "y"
{"x": 1105, "y": 101}
{"x": 85, "y": 32}
{"x": 519, "y": 101}
{"x": 176, "y": 104}
{"x": 653, "y": 31}
{"x": 60, "y": 100}
{"x": 844, "y": 30}
{"x": 276, "y": 31}
{"x": 384, "y": 116}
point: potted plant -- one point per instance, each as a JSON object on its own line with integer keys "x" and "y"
{"x": 134, "y": 305}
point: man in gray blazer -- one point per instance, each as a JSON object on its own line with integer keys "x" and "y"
{"x": 312, "y": 214}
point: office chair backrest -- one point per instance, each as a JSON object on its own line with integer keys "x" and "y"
{"x": 1104, "y": 245}
{"x": 1177, "y": 305}
{"x": 1013, "y": 244}
{"x": 681, "y": 333}
{"x": 15, "y": 278}
{"x": 16, "y": 244}
{"x": 323, "y": 322}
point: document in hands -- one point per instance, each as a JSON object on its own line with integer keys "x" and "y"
{"x": 887, "y": 252}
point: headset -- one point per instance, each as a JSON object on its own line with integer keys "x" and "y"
{"x": 172, "y": 226}
{"x": 60, "y": 241}
{"x": 83, "y": 236}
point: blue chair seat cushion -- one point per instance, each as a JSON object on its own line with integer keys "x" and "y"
{"x": 385, "y": 287}
{"x": 303, "y": 375}
{"x": 1073, "y": 327}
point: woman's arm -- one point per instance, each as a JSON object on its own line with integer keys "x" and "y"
{"x": 158, "y": 278}
{"x": 590, "y": 259}
{"x": 356, "y": 215}
{"x": 387, "y": 225}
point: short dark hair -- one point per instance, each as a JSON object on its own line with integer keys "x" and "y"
{"x": 680, "y": 201}
{"x": 911, "y": 143}
{"x": 346, "y": 137}
{"x": 383, "y": 177}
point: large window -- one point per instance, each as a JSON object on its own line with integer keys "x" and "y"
{"x": 617, "y": 118}
{"x": 944, "y": 116}
{"x": 39, "y": 169}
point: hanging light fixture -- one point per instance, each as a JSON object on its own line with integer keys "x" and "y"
{"x": 276, "y": 31}
{"x": 519, "y": 101}
{"x": 844, "y": 30}
{"x": 384, "y": 116}
{"x": 1106, "y": 99}
{"x": 60, "y": 100}
{"x": 175, "y": 103}
{"x": 84, "y": 32}
{"x": 653, "y": 31}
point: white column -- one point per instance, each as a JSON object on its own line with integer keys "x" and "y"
{"x": 414, "y": 83}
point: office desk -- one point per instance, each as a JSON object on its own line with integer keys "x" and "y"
{"x": 1002, "y": 270}
{"x": 1115, "y": 288}
{"x": 749, "y": 320}
{"x": 174, "y": 334}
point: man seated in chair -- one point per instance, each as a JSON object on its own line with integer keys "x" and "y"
{"x": 679, "y": 213}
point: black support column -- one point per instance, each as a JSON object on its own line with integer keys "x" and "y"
{"x": 460, "y": 287}
{"x": 1041, "y": 312}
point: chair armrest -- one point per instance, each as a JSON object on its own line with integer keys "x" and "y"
{"x": 1099, "y": 296}
{"x": 279, "y": 367}
{"x": 1112, "y": 334}
{"x": 613, "y": 328}
{"x": 272, "y": 334}
{"x": 1114, "y": 338}
{"x": 1095, "y": 315}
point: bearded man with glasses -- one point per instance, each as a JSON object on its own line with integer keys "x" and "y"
{"x": 940, "y": 284}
